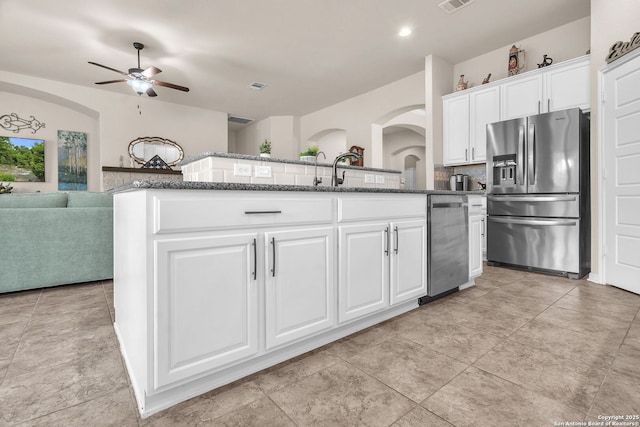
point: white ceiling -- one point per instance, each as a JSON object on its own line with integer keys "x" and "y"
{"x": 310, "y": 53}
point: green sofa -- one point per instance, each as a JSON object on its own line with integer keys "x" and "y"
{"x": 50, "y": 239}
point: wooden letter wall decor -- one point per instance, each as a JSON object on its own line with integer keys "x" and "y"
{"x": 619, "y": 49}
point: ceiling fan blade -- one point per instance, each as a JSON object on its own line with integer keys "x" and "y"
{"x": 151, "y": 71}
{"x": 111, "y": 81}
{"x": 171, "y": 85}
{"x": 108, "y": 68}
{"x": 151, "y": 92}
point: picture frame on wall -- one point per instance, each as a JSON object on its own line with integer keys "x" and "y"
{"x": 72, "y": 161}
{"x": 21, "y": 159}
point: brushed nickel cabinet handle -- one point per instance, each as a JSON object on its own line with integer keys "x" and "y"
{"x": 255, "y": 259}
{"x": 386, "y": 241}
{"x": 397, "y": 240}
{"x": 261, "y": 212}
{"x": 273, "y": 265}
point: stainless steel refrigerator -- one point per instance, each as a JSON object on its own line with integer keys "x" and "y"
{"x": 538, "y": 193}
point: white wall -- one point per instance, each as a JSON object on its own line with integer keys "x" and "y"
{"x": 116, "y": 121}
{"x": 55, "y": 117}
{"x": 561, "y": 43}
{"x": 357, "y": 115}
{"x": 438, "y": 75}
{"x": 280, "y": 130}
{"x": 611, "y": 21}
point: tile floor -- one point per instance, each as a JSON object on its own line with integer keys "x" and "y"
{"x": 517, "y": 349}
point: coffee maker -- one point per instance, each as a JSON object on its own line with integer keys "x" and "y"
{"x": 459, "y": 182}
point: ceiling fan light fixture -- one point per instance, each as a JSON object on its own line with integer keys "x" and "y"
{"x": 405, "y": 31}
{"x": 139, "y": 85}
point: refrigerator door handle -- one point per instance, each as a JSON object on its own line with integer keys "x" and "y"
{"x": 520, "y": 174}
{"x": 558, "y": 198}
{"x": 532, "y": 154}
{"x": 534, "y": 222}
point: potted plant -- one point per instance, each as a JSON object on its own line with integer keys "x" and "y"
{"x": 265, "y": 148}
{"x": 310, "y": 154}
{"x": 5, "y": 189}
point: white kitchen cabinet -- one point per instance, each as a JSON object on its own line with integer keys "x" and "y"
{"x": 455, "y": 131}
{"x": 299, "y": 291}
{"x": 206, "y": 305}
{"x": 484, "y": 108}
{"x": 568, "y": 86}
{"x": 561, "y": 86}
{"x": 465, "y": 119}
{"x": 475, "y": 245}
{"x": 381, "y": 262}
{"x": 408, "y": 259}
{"x": 477, "y": 234}
{"x": 521, "y": 97}
{"x": 212, "y": 286}
{"x": 363, "y": 282}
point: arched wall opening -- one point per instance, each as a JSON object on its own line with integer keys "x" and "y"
{"x": 330, "y": 141}
{"x": 398, "y": 136}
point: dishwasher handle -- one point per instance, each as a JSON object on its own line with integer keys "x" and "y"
{"x": 443, "y": 205}
{"x": 534, "y": 222}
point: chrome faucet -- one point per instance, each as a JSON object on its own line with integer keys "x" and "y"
{"x": 317, "y": 180}
{"x": 335, "y": 181}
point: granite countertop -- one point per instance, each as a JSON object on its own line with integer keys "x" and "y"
{"x": 276, "y": 160}
{"x": 192, "y": 185}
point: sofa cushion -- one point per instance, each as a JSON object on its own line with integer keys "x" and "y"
{"x": 90, "y": 200}
{"x": 34, "y": 200}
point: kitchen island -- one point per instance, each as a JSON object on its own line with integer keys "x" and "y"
{"x": 215, "y": 281}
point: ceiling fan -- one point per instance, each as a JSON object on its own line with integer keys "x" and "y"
{"x": 140, "y": 80}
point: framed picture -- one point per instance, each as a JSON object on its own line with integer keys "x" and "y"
{"x": 21, "y": 159}
{"x": 72, "y": 160}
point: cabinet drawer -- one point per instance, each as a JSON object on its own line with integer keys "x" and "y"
{"x": 177, "y": 213}
{"x": 477, "y": 204}
{"x": 355, "y": 208}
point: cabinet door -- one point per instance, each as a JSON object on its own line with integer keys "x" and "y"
{"x": 408, "y": 260}
{"x": 568, "y": 87}
{"x": 456, "y": 130}
{"x": 475, "y": 245}
{"x": 521, "y": 97}
{"x": 484, "y": 108}
{"x": 205, "y": 310}
{"x": 363, "y": 282}
{"x": 299, "y": 285}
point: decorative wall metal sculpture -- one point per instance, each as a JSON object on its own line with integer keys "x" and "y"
{"x": 15, "y": 124}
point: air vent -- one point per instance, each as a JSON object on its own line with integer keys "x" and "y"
{"x": 257, "y": 85}
{"x": 239, "y": 120}
{"x": 451, "y": 6}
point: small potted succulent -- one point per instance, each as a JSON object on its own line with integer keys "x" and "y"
{"x": 310, "y": 154}
{"x": 265, "y": 148}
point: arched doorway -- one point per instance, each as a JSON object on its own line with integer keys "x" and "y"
{"x": 402, "y": 147}
{"x": 330, "y": 141}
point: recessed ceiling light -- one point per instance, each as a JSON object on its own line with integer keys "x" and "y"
{"x": 404, "y": 32}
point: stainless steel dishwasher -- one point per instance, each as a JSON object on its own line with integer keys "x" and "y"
{"x": 448, "y": 257}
